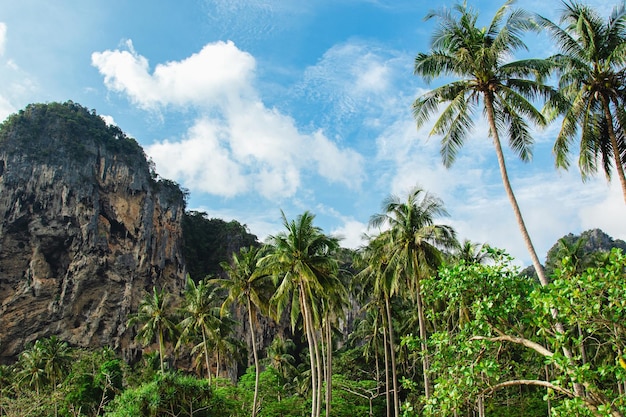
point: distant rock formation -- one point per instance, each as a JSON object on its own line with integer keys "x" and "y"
{"x": 86, "y": 229}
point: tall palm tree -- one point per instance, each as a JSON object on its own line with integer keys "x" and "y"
{"x": 57, "y": 359}
{"x": 247, "y": 286}
{"x": 302, "y": 262}
{"x": 383, "y": 283}
{"x": 334, "y": 305}
{"x": 154, "y": 316}
{"x": 414, "y": 242}
{"x": 199, "y": 317}
{"x": 592, "y": 71}
{"x": 503, "y": 90}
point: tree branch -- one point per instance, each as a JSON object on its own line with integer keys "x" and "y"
{"x": 518, "y": 340}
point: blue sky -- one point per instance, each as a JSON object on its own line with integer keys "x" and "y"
{"x": 261, "y": 106}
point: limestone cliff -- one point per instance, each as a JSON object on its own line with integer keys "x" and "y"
{"x": 85, "y": 229}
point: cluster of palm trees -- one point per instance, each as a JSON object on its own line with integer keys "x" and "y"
{"x": 306, "y": 287}
{"x": 296, "y": 276}
{"x": 590, "y": 96}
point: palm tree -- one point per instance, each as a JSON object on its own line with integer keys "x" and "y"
{"x": 383, "y": 283}
{"x": 591, "y": 68}
{"x": 57, "y": 359}
{"x": 471, "y": 252}
{"x": 413, "y": 244}
{"x": 302, "y": 263}
{"x": 334, "y": 305}
{"x": 279, "y": 357}
{"x": 30, "y": 369}
{"x": 488, "y": 81}
{"x": 198, "y": 310}
{"x": 247, "y": 286}
{"x": 156, "y": 322}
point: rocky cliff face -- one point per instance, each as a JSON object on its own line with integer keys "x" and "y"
{"x": 85, "y": 229}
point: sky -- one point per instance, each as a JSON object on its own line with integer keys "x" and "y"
{"x": 262, "y": 106}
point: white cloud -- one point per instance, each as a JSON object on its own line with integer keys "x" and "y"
{"x": 218, "y": 72}
{"x": 3, "y": 37}
{"x": 108, "y": 119}
{"x": 608, "y": 212}
{"x": 201, "y": 161}
{"x": 240, "y": 145}
{"x": 5, "y": 108}
{"x": 351, "y": 233}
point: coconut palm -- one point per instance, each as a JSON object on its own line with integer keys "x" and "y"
{"x": 383, "y": 283}
{"x": 302, "y": 263}
{"x": 591, "y": 69}
{"x": 31, "y": 368}
{"x": 247, "y": 286}
{"x": 155, "y": 319}
{"x": 472, "y": 252}
{"x": 199, "y": 317}
{"x": 490, "y": 82}
{"x": 334, "y": 305}
{"x": 413, "y": 244}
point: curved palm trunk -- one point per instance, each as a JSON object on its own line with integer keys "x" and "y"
{"x": 394, "y": 376}
{"x": 256, "y": 361}
{"x": 509, "y": 190}
{"x": 387, "y": 398}
{"x": 518, "y": 214}
{"x": 329, "y": 367}
{"x": 307, "y": 322}
{"x": 619, "y": 167}
{"x": 425, "y": 359}
{"x": 206, "y": 354}
{"x": 319, "y": 367}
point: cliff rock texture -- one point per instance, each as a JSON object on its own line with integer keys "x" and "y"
{"x": 85, "y": 229}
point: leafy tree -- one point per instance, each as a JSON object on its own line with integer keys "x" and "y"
{"x": 96, "y": 378}
{"x": 508, "y": 337}
{"x": 302, "y": 262}
{"x": 480, "y": 57}
{"x": 156, "y": 322}
{"x": 591, "y": 74}
{"x": 170, "y": 394}
{"x": 208, "y": 242}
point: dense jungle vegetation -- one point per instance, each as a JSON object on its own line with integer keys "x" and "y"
{"x": 444, "y": 328}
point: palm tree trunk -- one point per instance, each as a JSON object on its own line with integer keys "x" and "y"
{"x": 509, "y": 190}
{"x": 385, "y": 345}
{"x": 520, "y": 221}
{"x": 256, "y": 361}
{"x": 206, "y": 354}
{"x": 619, "y": 167}
{"x": 425, "y": 359}
{"x": 161, "y": 349}
{"x": 329, "y": 367}
{"x": 394, "y": 376}
{"x": 320, "y": 369}
{"x": 309, "y": 337}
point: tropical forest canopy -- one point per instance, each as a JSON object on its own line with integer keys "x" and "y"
{"x": 444, "y": 326}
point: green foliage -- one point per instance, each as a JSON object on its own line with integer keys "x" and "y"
{"x": 95, "y": 380}
{"x": 497, "y": 334}
{"x": 170, "y": 394}
{"x": 208, "y": 242}
{"x": 47, "y": 131}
